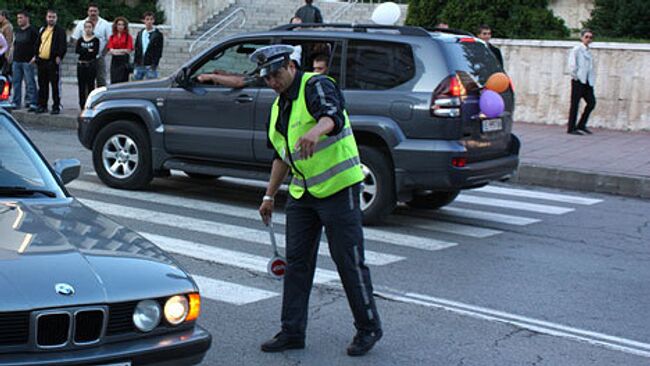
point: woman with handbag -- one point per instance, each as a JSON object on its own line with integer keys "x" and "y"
{"x": 120, "y": 46}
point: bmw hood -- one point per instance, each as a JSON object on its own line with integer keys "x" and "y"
{"x": 56, "y": 253}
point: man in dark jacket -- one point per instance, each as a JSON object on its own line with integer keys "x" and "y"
{"x": 485, "y": 34}
{"x": 148, "y": 49}
{"x": 50, "y": 50}
{"x": 309, "y": 13}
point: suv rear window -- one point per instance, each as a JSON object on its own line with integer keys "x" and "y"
{"x": 378, "y": 65}
{"x": 472, "y": 57}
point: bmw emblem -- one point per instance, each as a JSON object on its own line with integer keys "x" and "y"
{"x": 64, "y": 289}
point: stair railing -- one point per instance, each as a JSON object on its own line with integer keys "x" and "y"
{"x": 342, "y": 10}
{"x": 209, "y": 35}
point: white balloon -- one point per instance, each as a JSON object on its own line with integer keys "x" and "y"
{"x": 386, "y": 14}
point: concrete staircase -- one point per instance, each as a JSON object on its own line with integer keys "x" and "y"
{"x": 261, "y": 15}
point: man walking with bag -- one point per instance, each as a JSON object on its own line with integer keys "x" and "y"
{"x": 311, "y": 134}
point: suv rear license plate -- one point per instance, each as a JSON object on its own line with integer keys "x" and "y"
{"x": 491, "y": 125}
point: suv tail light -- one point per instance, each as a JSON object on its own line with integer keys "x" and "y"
{"x": 6, "y": 88}
{"x": 447, "y": 98}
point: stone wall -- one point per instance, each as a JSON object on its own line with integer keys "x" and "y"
{"x": 542, "y": 83}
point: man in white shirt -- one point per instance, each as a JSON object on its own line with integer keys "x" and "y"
{"x": 581, "y": 67}
{"x": 102, "y": 30}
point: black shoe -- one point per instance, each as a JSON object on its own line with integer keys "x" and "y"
{"x": 282, "y": 342}
{"x": 363, "y": 342}
{"x": 585, "y": 130}
{"x": 575, "y": 132}
{"x": 55, "y": 111}
{"x": 40, "y": 110}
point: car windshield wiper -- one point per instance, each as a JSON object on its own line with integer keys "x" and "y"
{"x": 24, "y": 191}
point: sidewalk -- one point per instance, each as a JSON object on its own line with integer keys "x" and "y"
{"x": 608, "y": 161}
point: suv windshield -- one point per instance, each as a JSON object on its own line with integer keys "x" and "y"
{"x": 22, "y": 172}
{"x": 472, "y": 57}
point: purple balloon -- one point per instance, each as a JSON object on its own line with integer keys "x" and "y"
{"x": 491, "y": 104}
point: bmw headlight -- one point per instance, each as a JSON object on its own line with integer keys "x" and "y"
{"x": 146, "y": 316}
{"x": 93, "y": 96}
{"x": 176, "y": 309}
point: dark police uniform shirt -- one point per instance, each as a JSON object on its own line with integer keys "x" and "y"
{"x": 324, "y": 99}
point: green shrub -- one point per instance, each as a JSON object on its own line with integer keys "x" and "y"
{"x": 620, "y": 18}
{"x": 69, "y": 11}
{"x": 507, "y": 18}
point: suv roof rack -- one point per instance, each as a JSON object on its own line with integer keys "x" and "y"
{"x": 403, "y": 30}
{"x": 459, "y": 32}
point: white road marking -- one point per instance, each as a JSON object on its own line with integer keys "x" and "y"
{"x": 226, "y": 257}
{"x": 373, "y": 234}
{"x": 484, "y": 215}
{"x": 217, "y": 228}
{"x": 445, "y": 227}
{"x": 539, "y": 326}
{"x": 515, "y": 205}
{"x": 231, "y": 293}
{"x": 538, "y": 195}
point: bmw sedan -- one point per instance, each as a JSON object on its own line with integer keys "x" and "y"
{"x": 77, "y": 288}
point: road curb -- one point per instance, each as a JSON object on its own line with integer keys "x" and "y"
{"x": 45, "y": 119}
{"x": 589, "y": 181}
{"x": 555, "y": 177}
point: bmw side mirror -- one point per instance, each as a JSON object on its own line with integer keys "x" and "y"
{"x": 182, "y": 78}
{"x": 67, "y": 169}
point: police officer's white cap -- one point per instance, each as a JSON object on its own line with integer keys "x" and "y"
{"x": 271, "y": 58}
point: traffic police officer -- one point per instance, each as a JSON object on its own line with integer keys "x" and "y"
{"x": 310, "y": 132}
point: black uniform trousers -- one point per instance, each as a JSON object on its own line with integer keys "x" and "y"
{"x": 340, "y": 214}
{"x": 86, "y": 75}
{"x": 48, "y": 75}
{"x": 580, "y": 91}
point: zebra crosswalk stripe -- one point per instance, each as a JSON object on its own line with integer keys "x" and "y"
{"x": 229, "y": 292}
{"x": 226, "y": 257}
{"x": 539, "y": 195}
{"x": 514, "y": 205}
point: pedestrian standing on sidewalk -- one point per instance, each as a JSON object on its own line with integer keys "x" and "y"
{"x": 312, "y": 137}
{"x": 102, "y": 30}
{"x": 50, "y": 49}
{"x": 308, "y": 13}
{"x": 7, "y": 31}
{"x": 87, "y": 48}
{"x": 120, "y": 46}
{"x": 25, "y": 39}
{"x": 583, "y": 78}
{"x": 148, "y": 49}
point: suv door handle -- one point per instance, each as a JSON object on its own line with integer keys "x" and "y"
{"x": 244, "y": 99}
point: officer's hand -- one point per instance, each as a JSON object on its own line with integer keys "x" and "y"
{"x": 307, "y": 143}
{"x": 266, "y": 210}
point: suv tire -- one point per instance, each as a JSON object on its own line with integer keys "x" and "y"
{"x": 432, "y": 200}
{"x": 378, "y": 190}
{"x": 113, "y": 155}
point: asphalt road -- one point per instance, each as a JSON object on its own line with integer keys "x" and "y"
{"x": 512, "y": 275}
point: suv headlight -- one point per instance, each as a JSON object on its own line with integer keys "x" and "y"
{"x": 146, "y": 315}
{"x": 93, "y": 96}
{"x": 176, "y": 309}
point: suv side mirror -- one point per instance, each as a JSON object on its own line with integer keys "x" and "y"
{"x": 67, "y": 169}
{"x": 182, "y": 78}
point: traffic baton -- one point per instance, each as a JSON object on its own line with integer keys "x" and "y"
{"x": 278, "y": 264}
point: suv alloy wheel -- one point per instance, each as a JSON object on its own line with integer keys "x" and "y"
{"x": 122, "y": 155}
{"x": 378, "y": 190}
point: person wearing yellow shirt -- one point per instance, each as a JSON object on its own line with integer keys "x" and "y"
{"x": 50, "y": 50}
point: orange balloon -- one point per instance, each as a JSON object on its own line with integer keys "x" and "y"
{"x": 498, "y": 82}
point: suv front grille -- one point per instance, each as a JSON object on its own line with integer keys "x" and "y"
{"x": 88, "y": 326}
{"x": 52, "y": 330}
{"x": 14, "y": 328}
